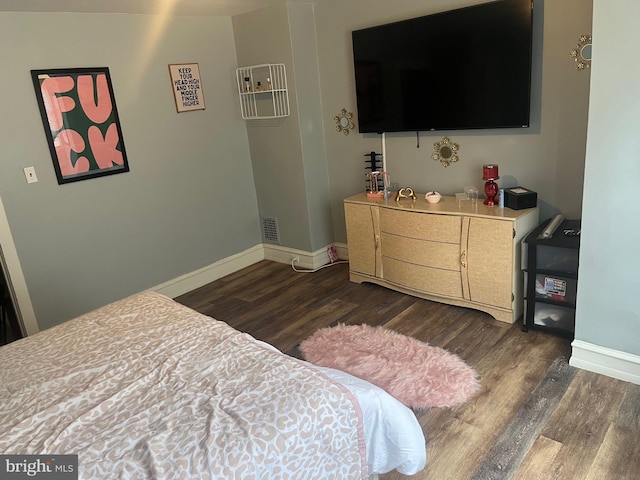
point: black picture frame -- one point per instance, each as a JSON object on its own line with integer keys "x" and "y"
{"x": 81, "y": 123}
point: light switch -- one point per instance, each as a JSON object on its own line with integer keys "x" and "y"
{"x": 30, "y": 174}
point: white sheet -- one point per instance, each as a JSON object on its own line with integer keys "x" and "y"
{"x": 394, "y": 440}
{"x": 393, "y": 436}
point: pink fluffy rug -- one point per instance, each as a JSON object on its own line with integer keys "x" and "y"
{"x": 416, "y": 373}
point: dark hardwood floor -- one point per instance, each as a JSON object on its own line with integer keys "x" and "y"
{"x": 535, "y": 416}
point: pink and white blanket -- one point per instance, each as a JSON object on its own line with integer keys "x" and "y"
{"x": 146, "y": 388}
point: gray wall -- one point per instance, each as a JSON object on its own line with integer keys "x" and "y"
{"x": 314, "y": 155}
{"x": 189, "y": 199}
{"x": 609, "y": 284}
{"x": 288, "y": 155}
{"x": 548, "y": 157}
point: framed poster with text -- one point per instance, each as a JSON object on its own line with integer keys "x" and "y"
{"x": 187, "y": 87}
{"x": 81, "y": 122}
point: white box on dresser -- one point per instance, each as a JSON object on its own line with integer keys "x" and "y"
{"x": 460, "y": 253}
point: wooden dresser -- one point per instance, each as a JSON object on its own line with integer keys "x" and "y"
{"x": 456, "y": 253}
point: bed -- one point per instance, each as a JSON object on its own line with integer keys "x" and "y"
{"x": 147, "y": 388}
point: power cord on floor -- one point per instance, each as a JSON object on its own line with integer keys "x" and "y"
{"x": 295, "y": 269}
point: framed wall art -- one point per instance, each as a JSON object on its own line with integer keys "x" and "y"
{"x": 186, "y": 86}
{"x": 81, "y": 122}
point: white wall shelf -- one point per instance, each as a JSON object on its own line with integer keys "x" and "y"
{"x": 263, "y": 91}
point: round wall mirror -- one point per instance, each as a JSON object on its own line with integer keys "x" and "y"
{"x": 344, "y": 122}
{"x": 445, "y": 152}
{"x": 582, "y": 53}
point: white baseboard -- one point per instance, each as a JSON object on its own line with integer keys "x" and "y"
{"x": 190, "y": 281}
{"x": 606, "y": 361}
{"x": 308, "y": 260}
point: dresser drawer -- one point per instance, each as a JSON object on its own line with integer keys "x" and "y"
{"x": 557, "y": 258}
{"x": 424, "y": 279}
{"x": 438, "y": 228}
{"x": 427, "y": 253}
{"x": 553, "y": 316}
{"x": 556, "y": 288}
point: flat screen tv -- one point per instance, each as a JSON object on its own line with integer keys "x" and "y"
{"x": 468, "y": 68}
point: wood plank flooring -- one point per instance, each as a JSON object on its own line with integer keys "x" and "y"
{"x": 535, "y": 416}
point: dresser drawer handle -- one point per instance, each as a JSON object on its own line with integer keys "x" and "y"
{"x": 463, "y": 259}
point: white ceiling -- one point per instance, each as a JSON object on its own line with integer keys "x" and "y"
{"x": 172, "y": 7}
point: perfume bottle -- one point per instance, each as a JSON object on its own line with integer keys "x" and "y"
{"x": 247, "y": 85}
{"x": 269, "y": 86}
{"x": 259, "y": 87}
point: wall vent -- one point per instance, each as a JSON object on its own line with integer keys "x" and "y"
{"x": 270, "y": 230}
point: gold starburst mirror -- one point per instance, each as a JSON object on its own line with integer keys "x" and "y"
{"x": 344, "y": 122}
{"x": 582, "y": 53}
{"x": 445, "y": 151}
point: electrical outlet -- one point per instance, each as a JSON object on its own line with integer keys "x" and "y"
{"x": 295, "y": 259}
{"x": 30, "y": 174}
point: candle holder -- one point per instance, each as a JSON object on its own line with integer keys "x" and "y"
{"x": 489, "y": 174}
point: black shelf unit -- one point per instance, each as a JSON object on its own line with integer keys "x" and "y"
{"x": 551, "y": 279}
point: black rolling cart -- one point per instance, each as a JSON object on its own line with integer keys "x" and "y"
{"x": 551, "y": 279}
